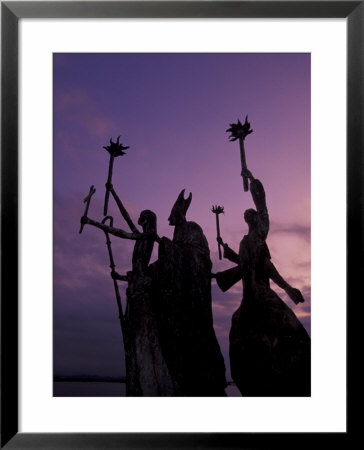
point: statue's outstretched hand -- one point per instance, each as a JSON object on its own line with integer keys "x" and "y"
{"x": 117, "y": 276}
{"x": 114, "y": 275}
{"x": 84, "y": 220}
{"x": 220, "y": 241}
{"x": 295, "y": 295}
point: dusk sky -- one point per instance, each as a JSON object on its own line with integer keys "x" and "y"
{"x": 173, "y": 111}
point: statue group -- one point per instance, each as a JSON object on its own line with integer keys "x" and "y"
{"x": 170, "y": 344}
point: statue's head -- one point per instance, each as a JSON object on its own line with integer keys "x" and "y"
{"x": 179, "y": 210}
{"x": 148, "y": 220}
{"x": 250, "y": 217}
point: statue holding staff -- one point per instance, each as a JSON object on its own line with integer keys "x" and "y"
{"x": 146, "y": 371}
{"x": 147, "y": 220}
{"x": 144, "y": 240}
{"x": 269, "y": 347}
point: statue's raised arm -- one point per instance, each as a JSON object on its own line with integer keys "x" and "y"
{"x": 261, "y": 213}
{"x": 122, "y": 209}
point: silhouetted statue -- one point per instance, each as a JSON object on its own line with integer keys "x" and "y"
{"x": 269, "y": 347}
{"x": 146, "y": 371}
{"x": 144, "y": 244}
{"x": 183, "y": 293}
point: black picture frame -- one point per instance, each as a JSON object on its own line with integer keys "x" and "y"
{"x": 11, "y": 12}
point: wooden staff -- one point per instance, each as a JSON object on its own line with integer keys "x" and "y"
{"x": 112, "y": 267}
{"x": 87, "y": 200}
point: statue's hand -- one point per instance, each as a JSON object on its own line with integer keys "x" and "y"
{"x": 84, "y": 220}
{"x": 295, "y": 295}
{"x": 220, "y": 241}
{"x": 114, "y": 275}
{"x": 157, "y": 238}
{"x": 227, "y": 251}
{"x": 247, "y": 174}
{"x": 109, "y": 186}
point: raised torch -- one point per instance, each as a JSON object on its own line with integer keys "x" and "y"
{"x": 240, "y": 131}
{"x": 114, "y": 149}
{"x": 218, "y": 210}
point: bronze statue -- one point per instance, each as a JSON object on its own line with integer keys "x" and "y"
{"x": 146, "y": 371}
{"x": 269, "y": 347}
{"x": 188, "y": 338}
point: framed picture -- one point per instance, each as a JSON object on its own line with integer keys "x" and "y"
{"x": 50, "y": 85}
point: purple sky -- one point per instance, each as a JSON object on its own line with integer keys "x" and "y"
{"x": 172, "y": 110}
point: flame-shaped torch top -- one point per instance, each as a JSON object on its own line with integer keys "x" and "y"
{"x": 116, "y": 148}
{"x": 239, "y": 130}
{"x": 217, "y": 209}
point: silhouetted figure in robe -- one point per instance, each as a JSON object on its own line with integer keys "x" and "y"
{"x": 146, "y": 370}
{"x": 188, "y": 338}
{"x": 269, "y": 347}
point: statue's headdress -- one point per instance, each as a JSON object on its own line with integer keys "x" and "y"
{"x": 181, "y": 205}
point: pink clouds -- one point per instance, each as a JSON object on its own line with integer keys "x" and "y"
{"x": 82, "y": 109}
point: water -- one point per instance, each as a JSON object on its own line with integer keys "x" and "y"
{"x": 88, "y": 389}
{"x": 103, "y": 389}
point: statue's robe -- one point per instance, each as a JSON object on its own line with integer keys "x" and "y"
{"x": 183, "y": 296}
{"x": 269, "y": 348}
{"x": 146, "y": 369}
